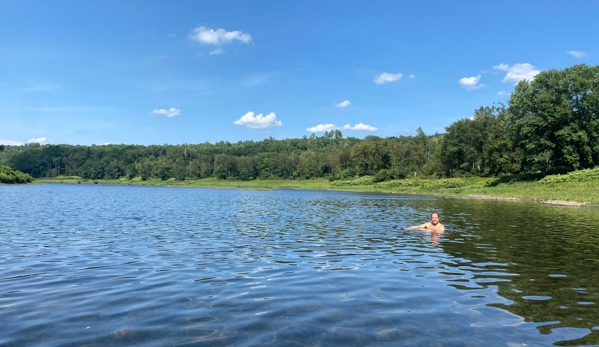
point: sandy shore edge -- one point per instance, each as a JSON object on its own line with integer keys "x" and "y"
{"x": 547, "y": 202}
{"x": 483, "y": 197}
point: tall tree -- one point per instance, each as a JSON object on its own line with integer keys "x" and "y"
{"x": 466, "y": 144}
{"x": 554, "y": 119}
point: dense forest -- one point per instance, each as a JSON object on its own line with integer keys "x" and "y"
{"x": 551, "y": 124}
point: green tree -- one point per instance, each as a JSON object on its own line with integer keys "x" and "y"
{"x": 465, "y": 146}
{"x": 220, "y": 173}
{"x": 554, "y": 119}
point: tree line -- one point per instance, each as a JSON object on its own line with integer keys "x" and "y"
{"x": 550, "y": 124}
{"x": 331, "y": 155}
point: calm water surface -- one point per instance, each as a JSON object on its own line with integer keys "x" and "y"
{"x": 90, "y": 265}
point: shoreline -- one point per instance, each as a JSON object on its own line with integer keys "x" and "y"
{"x": 467, "y": 193}
{"x": 546, "y": 202}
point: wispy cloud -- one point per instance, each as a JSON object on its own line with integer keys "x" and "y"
{"x": 518, "y": 72}
{"x": 321, "y": 128}
{"x": 259, "y": 121}
{"x": 503, "y": 93}
{"x": 10, "y": 142}
{"x": 255, "y": 80}
{"x": 359, "y": 127}
{"x": 343, "y": 104}
{"x": 217, "y": 51}
{"x": 219, "y": 36}
{"x": 41, "y": 141}
{"x": 171, "y": 35}
{"x": 471, "y": 83}
{"x": 386, "y": 77}
{"x": 412, "y": 76}
{"x": 577, "y": 54}
{"x": 170, "y": 113}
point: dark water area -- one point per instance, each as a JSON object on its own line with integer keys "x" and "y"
{"x": 94, "y": 265}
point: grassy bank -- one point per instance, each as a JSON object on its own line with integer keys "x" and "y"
{"x": 581, "y": 187}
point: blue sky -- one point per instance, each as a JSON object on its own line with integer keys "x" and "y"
{"x": 150, "y": 72}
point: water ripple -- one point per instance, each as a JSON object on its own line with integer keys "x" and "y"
{"x": 111, "y": 265}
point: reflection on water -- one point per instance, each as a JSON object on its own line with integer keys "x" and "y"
{"x": 112, "y": 265}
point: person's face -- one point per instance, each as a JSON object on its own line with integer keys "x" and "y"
{"x": 434, "y": 219}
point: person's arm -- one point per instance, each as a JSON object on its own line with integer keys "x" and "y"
{"x": 418, "y": 227}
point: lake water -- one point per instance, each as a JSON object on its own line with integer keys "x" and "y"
{"x": 94, "y": 265}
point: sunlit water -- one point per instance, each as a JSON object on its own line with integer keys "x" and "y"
{"x": 93, "y": 265}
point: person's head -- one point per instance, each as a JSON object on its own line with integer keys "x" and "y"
{"x": 434, "y": 218}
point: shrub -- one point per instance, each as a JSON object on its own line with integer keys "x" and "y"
{"x": 444, "y": 183}
{"x": 4, "y": 178}
{"x": 63, "y": 177}
{"x": 383, "y": 175}
{"x": 398, "y": 184}
{"x": 347, "y": 174}
{"x": 360, "y": 181}
{"x": 524, "y": 177}
{"x": 8, "y": 175}
{"x": 574, "y": 176}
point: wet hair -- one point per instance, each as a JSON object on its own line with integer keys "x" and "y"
{"x": 437, "y": 213}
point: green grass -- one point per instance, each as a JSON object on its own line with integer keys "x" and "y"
{"x": 586, "y": 192}
{"x": 572, "y": 191}
{"x": 206, "y": 183}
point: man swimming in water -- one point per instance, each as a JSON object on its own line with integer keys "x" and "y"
{"x": 433, "y": 226}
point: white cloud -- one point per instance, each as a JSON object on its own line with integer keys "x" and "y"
{"x": 518, "y": 72}
{"x": 577, "y": 54}
{"x": 217, "y": 51}
{"x": 503, "y": 93}
{"x": 259, "y": 121}
{"x": 10, "y": 142}
{"x": 471, "y": 83}
{"x": 171, "y": 112}
{"x": 41, "y": 141}
{"x": 171, "y": 35}
{"x": 359, "y": 127}
{"x": 343, "y": 104}
{"x": 386, "y": 77}
{"x": 321, "y": 128}
{"x": 412, "y": 76}
{"x": 219, "y": 36}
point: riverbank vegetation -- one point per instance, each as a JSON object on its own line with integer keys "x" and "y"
{"x": 569, "y": 189}
{"x": 550, "y": 126}
{"x": 8, "y": 175}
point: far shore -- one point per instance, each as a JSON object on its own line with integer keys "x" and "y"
{"x": 562, "y": 194}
